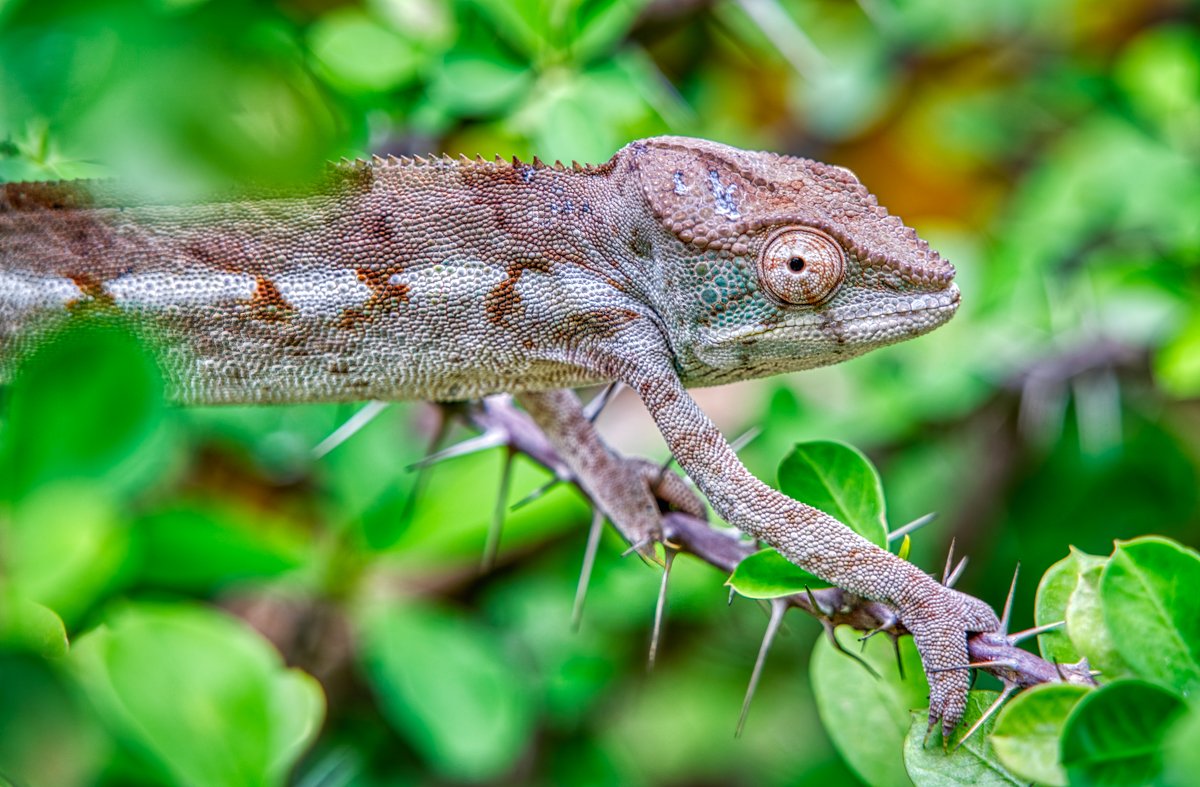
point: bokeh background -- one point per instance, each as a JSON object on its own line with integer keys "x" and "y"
{"x": 1049, "y": 148}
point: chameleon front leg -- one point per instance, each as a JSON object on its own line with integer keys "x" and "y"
{"x": 624, "y": 489}
{"x": 938, "y": 617}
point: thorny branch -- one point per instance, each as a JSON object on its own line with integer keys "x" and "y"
{"x": 502, "y": 423}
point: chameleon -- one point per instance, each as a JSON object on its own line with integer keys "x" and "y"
{"x": 678, "y": 263}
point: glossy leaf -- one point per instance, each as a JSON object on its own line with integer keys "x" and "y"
{"x": 973, "y": 763}
{"x": 839, "y": 480}
{"x": 67, "y": 545}
{"x": 446, "y": 685}
{"x": 236, "y": 715}
{"x": 850, "y": 701}
{"x": 29, "y": 626}
{"x": 768, "y": 574}
{"x": 835, "y": 478}
{"x": 1028, "y": 731}
{"x": 1115, "y": 735}
{"x": 1181, "y": 755}
{"x": 1086, "y": 625}
{"x": 1150, "y": 593}
{"x": 1053, "y": 594}
{"x": 85, "y": 405}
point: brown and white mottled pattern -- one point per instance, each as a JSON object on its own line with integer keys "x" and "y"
{"x": 451, "y": 279}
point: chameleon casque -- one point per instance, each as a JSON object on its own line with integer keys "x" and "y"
{"x": 678, "y": 263}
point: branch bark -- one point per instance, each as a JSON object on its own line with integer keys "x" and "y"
{"x": 723, "y": 548}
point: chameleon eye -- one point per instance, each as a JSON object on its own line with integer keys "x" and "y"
{"x": 801, "y": 266}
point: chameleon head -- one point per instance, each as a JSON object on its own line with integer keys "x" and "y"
{"x": 776, "y": 263}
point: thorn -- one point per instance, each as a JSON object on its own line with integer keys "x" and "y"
{"x": 745, "y": 438}
{"x": 486, "y": 441}
{"x": 660, "y": 607}
{"x": 829, "y": 630}
{"x": 637, "y": 547}
{"x": 949, "y": 563}
{"x": 538, "y": 492}
{"x": 911, "y": 527}
{"x": 585, "y": 572}
{"x": 492, "y": 546}
{"x": 1021, "y": 636}
{"x": 732, "y": 593}
{"x": 778, "y": 608}
{"x": 863, "y": 639}
{"x": 353, "y": 424}
{"x": 976, "y": 665}
{"x": 1009, "y": 688}
{"x": 593, "y": 408}
{"x": 422, "y": 473}
{"x": 899, "y": 658}
{"x": 1008, "y": 602}
{"x": 956, "y": 573}
{"x": 816, "y": 605}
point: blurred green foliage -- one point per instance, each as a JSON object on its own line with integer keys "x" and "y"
{"x": 1051, "y": 149}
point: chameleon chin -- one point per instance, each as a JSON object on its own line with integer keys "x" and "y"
{"x": 679, "y": 262}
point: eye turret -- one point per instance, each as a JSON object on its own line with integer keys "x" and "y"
{"x": 801, "y": 266}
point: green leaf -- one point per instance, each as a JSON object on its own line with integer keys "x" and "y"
{"x": 600, "y": 25}
{"x": 1115, "y": 735}
{"x": 84, "y": 405}
{"x": 1150, "y": 592}
{"x": 360, "y": 54}
{"x": 1177, "y": 362}
{"x": 768, "y": 574}
{"x": 204, "y": 546}
{"x": 66, "y": 546}
{"x": 1086, "y": 626}
{"x": 200, "y": 694}
{"x": 1029, "y": 728}
{"x": 1181, "y": 755}
{"x": 839, "y": 480}
{"x": 468, "y": 84}
{"x": 32, "y": 627}
{"x": 850, "y": 701}
{"x": 973, "y": 763}
{"x": 446, "y": 685}
{"x": 1053, "y": 594}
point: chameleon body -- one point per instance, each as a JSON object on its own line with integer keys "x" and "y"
{"x": 678, "y": 263}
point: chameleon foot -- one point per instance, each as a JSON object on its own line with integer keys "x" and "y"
{"x": 939, "y": 623}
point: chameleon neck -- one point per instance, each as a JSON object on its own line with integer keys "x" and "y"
{"x": 393, "y": 279}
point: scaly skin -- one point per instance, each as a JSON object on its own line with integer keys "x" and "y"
{"x": 443, "y": 279}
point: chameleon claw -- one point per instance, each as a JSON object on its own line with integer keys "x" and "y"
{"x": 660, "y": 607}
{"x": 585, "y": 572}
{"x": 778, "y": 608}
